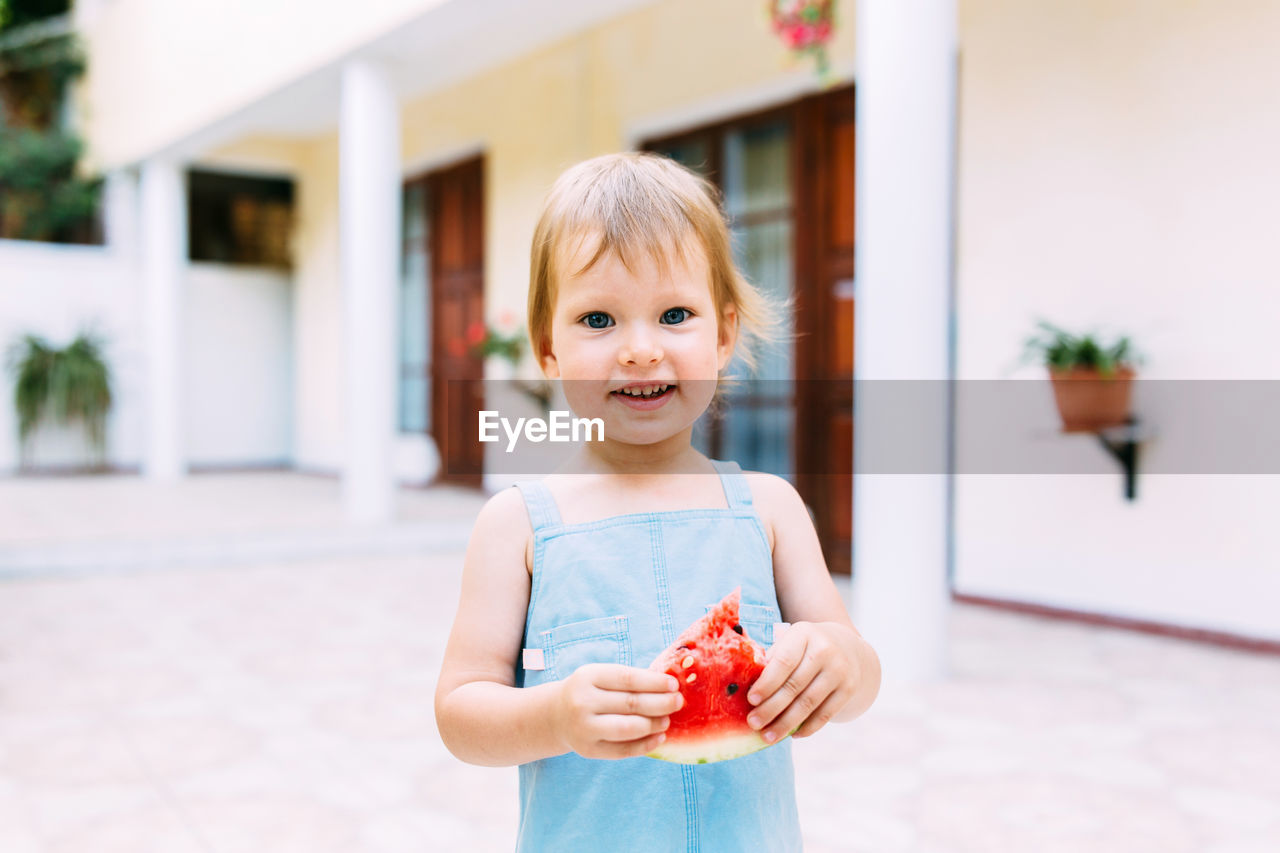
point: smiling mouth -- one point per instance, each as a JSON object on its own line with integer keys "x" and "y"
{"x": 645, "y": 392}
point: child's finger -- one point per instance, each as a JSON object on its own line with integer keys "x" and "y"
{"x": 809, "y": 709}
{"x": 644, "y": 704}
{"x": 633, "y": 679}
{"x": 824, "y": 713}
{"x": 623, "y": 728}
{"x": 786, "y": 656}
{"x": 628, "y": 749}
{"x": 794, "y": 682}
{"x": 783, "y": 660}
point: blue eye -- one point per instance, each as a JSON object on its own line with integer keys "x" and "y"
{"x": 675, "y": 316}
{"x": 597, "y": 320}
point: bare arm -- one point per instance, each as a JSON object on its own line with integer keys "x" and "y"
{"x": 483, "y": 718}
{"x": 601, "y": 711}
{"x": 820, "y": 669}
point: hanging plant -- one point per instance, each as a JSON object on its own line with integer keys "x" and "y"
{"x": 43, "y": 195}
{"x": 65, "y": 386}
{"x": 805, "y": 26}
{"x": 40, "y": 55}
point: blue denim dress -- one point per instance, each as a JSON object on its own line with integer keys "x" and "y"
{"x": 620, "y": 590}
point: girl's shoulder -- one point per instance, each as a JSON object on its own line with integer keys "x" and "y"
{"x": 505, "y": 515}
{"x": 505, "y": 507}
{"x": 777, "y": 503}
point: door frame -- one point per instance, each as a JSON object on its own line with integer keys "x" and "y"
{"x": 456, "y": 379}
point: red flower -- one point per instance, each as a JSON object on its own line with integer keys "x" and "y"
{"x": 802, "y": 24}
{"x": 476, "y": 333}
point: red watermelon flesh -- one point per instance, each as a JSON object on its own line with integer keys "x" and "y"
{"x": 716, "y": 663}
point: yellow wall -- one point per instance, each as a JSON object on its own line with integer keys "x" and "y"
{"x": 584, "y": 96}
{"x": 318, "y": 311}
{"x": 260, "y": 154}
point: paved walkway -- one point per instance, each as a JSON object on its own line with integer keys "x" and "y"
{"x": 70, "y": 525}
{"x": 284, "y": 705}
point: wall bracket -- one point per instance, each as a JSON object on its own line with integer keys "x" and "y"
{"x": 1123, "y": 443}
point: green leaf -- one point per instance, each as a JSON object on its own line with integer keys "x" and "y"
{"x": 63, "y": 385}
{"x": 1059, "y": 349}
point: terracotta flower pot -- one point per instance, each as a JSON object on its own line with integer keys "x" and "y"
{"x": 1088, "y": 401}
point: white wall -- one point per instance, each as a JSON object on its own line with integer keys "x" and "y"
{"x": 1117, "y": 169}
{"x": 55, "y": 291}
{"x": 237, "y": 341}
{"x": 239, "y": 366}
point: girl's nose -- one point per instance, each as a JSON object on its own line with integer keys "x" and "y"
{"x": 640, "y": 349}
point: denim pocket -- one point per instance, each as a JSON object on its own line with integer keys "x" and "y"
{"x": 758, "y": 621}
{"x": 603, "y": 640}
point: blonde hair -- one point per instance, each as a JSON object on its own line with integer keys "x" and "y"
{"x": 635, "y": 204}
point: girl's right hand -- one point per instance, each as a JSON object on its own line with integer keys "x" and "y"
{"x": 607, "y": 710}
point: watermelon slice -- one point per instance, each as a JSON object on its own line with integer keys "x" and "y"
{"x": 716, "y": 663}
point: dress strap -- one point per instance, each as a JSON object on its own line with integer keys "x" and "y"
{"x": 541, "y": 506}
{"x": 736, "y": 490}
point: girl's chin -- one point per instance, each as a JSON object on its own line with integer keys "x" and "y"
{"x": 646, "y": 438}
{"x": 625, "y": 428}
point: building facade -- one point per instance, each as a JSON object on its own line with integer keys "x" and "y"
{"x": 1110, "y": 167}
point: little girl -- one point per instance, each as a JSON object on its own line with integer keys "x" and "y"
{"x": 571, "y": 586}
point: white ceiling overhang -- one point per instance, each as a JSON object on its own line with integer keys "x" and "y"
{"x": 446, "y": 44}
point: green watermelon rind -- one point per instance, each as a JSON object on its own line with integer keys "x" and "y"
{"x": 711, "y": 750}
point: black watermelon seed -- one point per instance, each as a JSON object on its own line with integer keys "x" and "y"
{"x": 733, "y": 688}
{"x": 738, "y": 628}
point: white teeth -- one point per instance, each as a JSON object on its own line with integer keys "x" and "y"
{"x": 644, "y": 390}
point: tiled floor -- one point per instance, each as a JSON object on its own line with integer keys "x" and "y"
{"x": 93, "y": 525}
{"x": 287, "y": 706}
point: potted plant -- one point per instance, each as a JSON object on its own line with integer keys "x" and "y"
{"x": 1092, "y": 380}
{"x": 489, "y": 343}
{"x": 67, "y": 385}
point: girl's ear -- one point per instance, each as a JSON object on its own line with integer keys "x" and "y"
{"x": 728, "y": 336}
{"x": 550, "y": 367}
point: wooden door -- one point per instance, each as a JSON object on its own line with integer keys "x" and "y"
{"x": 824, "y": 283}
{"x": 456, "y": 200}
{"x": 818, "y": 213}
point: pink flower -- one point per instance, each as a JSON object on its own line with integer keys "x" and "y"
{"x": 802, "y": 24}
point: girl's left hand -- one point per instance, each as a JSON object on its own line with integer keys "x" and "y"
{"x": 810, "y": 674}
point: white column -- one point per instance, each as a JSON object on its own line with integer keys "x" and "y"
{"x": 906, "y": 55}
{"x": 163, "y": 217}
{"x": 120, "y": 213}
{"x": 369, "y": 213}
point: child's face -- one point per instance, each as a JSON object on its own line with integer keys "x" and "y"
{"x": 613, "y": 328}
